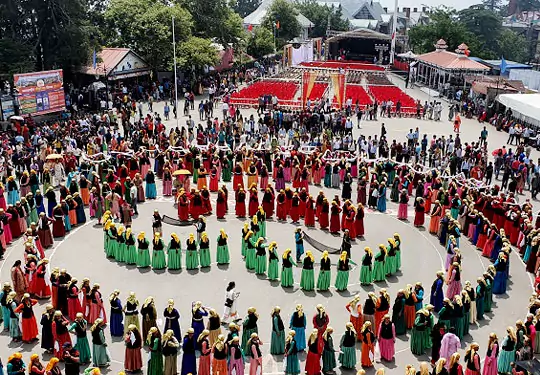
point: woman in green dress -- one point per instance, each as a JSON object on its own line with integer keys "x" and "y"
{"x": 106, "y": 225}
{"x": 158, "y": 252}
{"x": 260, "y": 259}
{"x": 379, "y": 273}
{"x": 323, "y": 281}
{"x": 120, "y": 255}
{"x": 329, "y": 353}
{"x": 307, "y": 281}
{"x": 100, "y": 356}
{"x": 398, "y": 313}
{"x": 342, "y": 279}
{"x": 273, "y": 263}
{"x": 347, "y": 356}
{"x": 143, "y": 254}
{"x": 245, "y": 231}
{"x": 255, "y": 227}
{"x": 397, "y": 240}
{"x": 131, "y": 250}
{"x": 277, "y": 343}
{"x": 366, "y": 272}
{"x": 112, "y": 243}
{"x": 446, "y": 313}
{"x": 292, "y": 364}
{"x": 419, "y": 332}
{"x": 251, "y": 252}
{"x": 222, "y": 255}
{"x": 390, "y": 264}
{"x": 204, "y": 251}
{"x": 192, "y": 257}
{"x": 287, "y": 279}
{"x": 79, "y": 328}
{"x": 174, "y": 253}
{"x": 261, "y": 218}
{"x": 155, "y": 363}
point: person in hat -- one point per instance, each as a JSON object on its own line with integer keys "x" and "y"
{"x": 170, "y": 347}
{"x": 249, "y": 327}
{"x": 71, "y": 358}
{"x": 155, "y": 362}
{"x": 189, "y": 361}
{"x": 277, "y": 343}
{"x": 133, "y": 342}
{"x": 78, "y": 327}
{"x": 100, "y": 355}
{"x": 347, "y": 356}
{"x": 143, "y": 252}
{"x": 172, "y": 319}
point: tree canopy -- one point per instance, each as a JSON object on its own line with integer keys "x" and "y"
{"x": 319, "y": 14}
{"x": 284, "y": 14}
{"x": 261, "y": 42}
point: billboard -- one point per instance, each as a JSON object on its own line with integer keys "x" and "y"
{"x": 40, "y": 92}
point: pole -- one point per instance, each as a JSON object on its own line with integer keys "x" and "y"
{"x": 175, "y": 78}
{"x": 394, "y": 30}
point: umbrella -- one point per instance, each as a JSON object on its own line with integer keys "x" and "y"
{"x": 181, "y": 172}
{"x": 54, "y": 156}
{"x": 16, "y": 118}
{"x": 19, "y": 139}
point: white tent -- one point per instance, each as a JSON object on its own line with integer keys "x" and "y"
{"x": 407, "y": 55}
{"x": 523, "y": 106}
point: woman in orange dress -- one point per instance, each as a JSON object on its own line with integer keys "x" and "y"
{"x": 368, "y": 345}
{"x": 435, "y": 217}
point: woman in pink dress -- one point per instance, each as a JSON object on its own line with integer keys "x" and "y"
{"x": 490, "y": 362}
{"x": 167, "y": 182}
{"x": 3, "y": 203}
{"x": 204, "y": 359}
{"x": 454, "y": 281}
{"x": 96, "y": 306}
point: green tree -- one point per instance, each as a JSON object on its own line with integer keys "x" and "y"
{"x": 215, "y": 19}
{"x": 285, "y": 13}
{"x": 513, "y": 46}
{"x": 319, "y": 15}
{"x": 196, "y": 53}
{"x": 260, "y": 43}
{"x": 484, "y": 23}
{"x": 146, "y": 27}
{"x": 15, "y": 58}
{"x": 245, "y": 7}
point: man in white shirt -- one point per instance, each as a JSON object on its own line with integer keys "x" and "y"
{"x": 133, "y": 195}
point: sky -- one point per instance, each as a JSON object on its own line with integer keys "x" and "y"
{"x": 457, "y": 4}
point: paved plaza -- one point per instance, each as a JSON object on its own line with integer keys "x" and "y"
{"x": 81, "y": 253}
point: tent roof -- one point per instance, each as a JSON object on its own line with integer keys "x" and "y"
{"x": 526, "y": 105}
{"x": 256, "y": 17}
{"x": 450, "y": 60}
{"x": 360, "y": 34}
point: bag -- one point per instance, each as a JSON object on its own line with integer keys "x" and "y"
{"x": 229, "y": 302}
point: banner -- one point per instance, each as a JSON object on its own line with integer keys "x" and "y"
{"x": 338, "y": 84}
{"x": 308, "y": 81}
{"x": 40, "y": 92}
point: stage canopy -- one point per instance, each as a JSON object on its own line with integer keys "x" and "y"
{"x": 524, "y": 106}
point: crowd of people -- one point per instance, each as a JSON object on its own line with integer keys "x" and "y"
{"x": 60, "y": 169}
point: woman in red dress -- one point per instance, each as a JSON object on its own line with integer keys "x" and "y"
{"x": 206, "y": 203}
{"x": 295, "y": 208}
{"x": 268, "y": 203}
{"x": 281, "y": 211}
{"x": 488, "y": 246}
{"x": 313, "y": 360}
{"x": 28, "y": 324}
{"x": 240, "y": 207}
{"x": 60, "y": 332}
{"x": 323, "y": 216}
{"x": 318, "y": 204}
{"x": 238, "y": 178}
{"x": 334, "y": 218}
{"x": 58, "y": 225}
{"x": 263, "y": 178}
{"x": 41, "y": 282}
{"x": 309, "y": 218}
{"x": 183, "y": 206}
{"x": 96, "y": 306}
{"x": 351, "y": 222}
{"x": 359, "y": 221}
{"x": 253, "y": 201}
{"x": 74, "y": 304}
{"x": 419, "y": 213}
{"x": 221, "y": 208}
{"x": 214, "y": 179}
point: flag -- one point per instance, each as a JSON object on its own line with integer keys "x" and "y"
{"x": 94, "y": 59}
{"x": 503, "y": 65}
{"x": 277, "y": 25}
{"x": 250, "y": 27}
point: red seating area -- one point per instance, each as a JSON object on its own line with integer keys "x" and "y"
{"x": 283, "y": 90}
{"x": 357, "y": 92}
{"x": 393, "y": 93}
{"x": 317, "y": 91}
{"x": 353, "y": 65}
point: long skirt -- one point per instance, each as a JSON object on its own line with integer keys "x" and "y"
{"x": 347, "y": 357}
{"x": 342, "y": 280}
{"x": 204, "y": 255}
{"x": 116, "y": 324}
{"x": 273, "y": 269}
{"x": 287, "y": 279}
{"x": 133, "y": 360}
{"x": 379, "y": 273}
{"x": 143, "y": 258}
{"x": 307, "y": 281}
{"x": 402, "y": 211}
{"x": 192, "y": 260}
{"x": 323, "y": 281}
{"x": 490, "y": 366}
{"x": 505, "y": 359}
{"x": 260, "y": 264}
{"x": 100, "y": 356}
{"x": 329, "y": 361}
{"x": 387, "y": 349}
{"x": 151, "y": 191}
{"x": 277, "y": 343}
{"x": 158, "y": 260}
{"x": 300, "y": 337}
{"x": 170, "y": 365}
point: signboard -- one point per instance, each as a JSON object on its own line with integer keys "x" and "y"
{"x": 8, "y": 107}
{"x": 40, "y": 92}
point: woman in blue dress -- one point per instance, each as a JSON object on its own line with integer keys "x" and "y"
{"x": 500, "y": 281}
{"x": 151, "y": 191}
{"x": 437, "y": 295}
{"x": 299, "y": 240}
{"x": 298, "y": 325}
{"x": 116, "y": 317}
{"x": 172, "y": 320}
{"x": 13, "y": 191}
{"x": 198, "y": 312}
{"x": 507, "y": 355}
{"x": 381, "y": 202}
{"x": 189, "y": 360}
